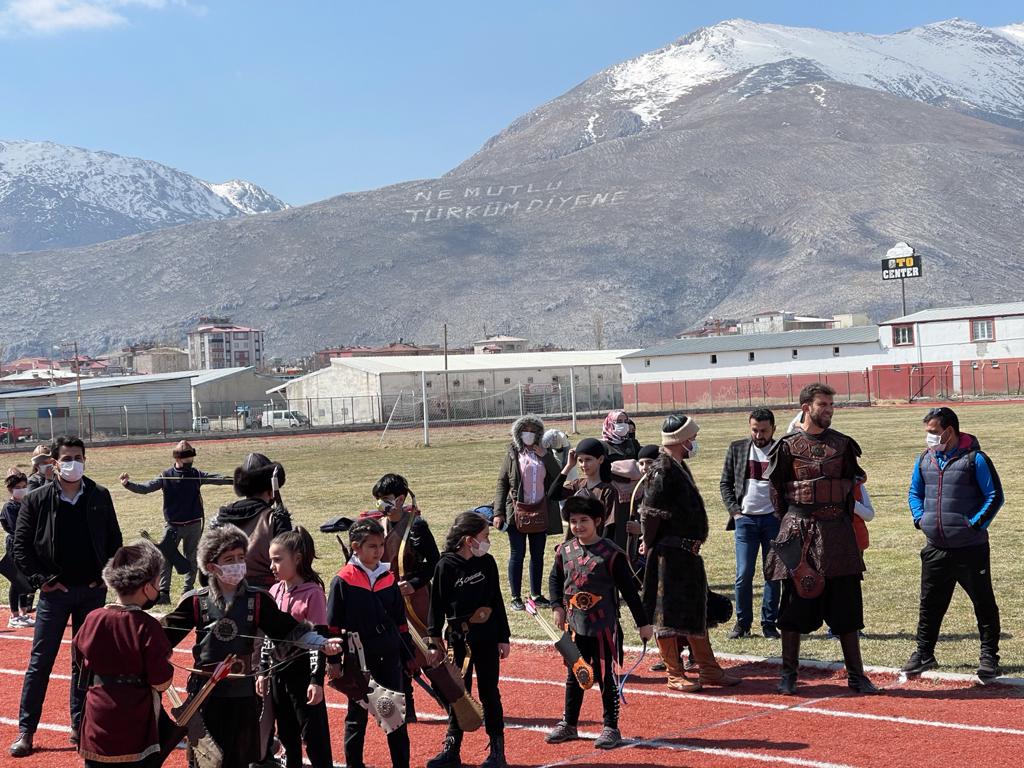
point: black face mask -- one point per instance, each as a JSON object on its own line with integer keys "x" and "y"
{"x": 149, "y": 602}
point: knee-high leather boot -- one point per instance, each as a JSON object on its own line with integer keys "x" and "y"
{"x": 711, "y": 672}
{"x": 855, "y": 677}
{"x": 790, "y": 662}
{"x": 677, "y": 680}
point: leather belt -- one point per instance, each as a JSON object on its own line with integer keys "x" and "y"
{"x": 131, "y": 680}
{"x": 584, "y": 601}
{"x": 678, "y": 542}
{"x": 820, "y": 513}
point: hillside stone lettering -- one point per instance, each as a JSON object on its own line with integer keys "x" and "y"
{"x": 491, "y": 200}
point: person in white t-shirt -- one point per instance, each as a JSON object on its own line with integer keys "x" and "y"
{"x": 747, "y": 497}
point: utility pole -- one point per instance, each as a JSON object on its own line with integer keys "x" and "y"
{"x": 73, "y": 346}
{"x": 447, "y": 396}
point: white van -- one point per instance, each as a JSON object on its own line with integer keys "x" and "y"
{"x": 281, "y": 419}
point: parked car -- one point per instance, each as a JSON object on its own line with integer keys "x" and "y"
{"x": 280, "y": 419}
{"x": 201, "y": 424}
{"x": 12, "y": 434}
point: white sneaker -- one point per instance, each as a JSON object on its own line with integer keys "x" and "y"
{"x": 16, "y": 622}
{"x": 28, "y": 620}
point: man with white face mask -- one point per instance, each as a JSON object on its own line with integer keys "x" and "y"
{"x": 67, "y": 530}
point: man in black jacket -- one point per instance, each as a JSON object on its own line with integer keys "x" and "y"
{"x": 747, "y": 497}
{"x": 67, "y": 531}
{"x": 183, "y": 510}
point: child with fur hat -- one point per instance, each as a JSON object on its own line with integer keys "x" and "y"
{"x": 227, "y": 616}
{"x": 594, "y": 481}
{"x": 587, "y": 578}
{"x": 257, "y": 514}
{"x": 125, "y": 656}
{"x": 181, "y": 485}
{"x": 43, "y": 465}
{"x": 20, "y": 592}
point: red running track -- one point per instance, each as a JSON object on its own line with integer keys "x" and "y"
{"x": 919, "y": 724}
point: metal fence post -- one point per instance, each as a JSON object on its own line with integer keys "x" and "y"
{"x": 522, "y": 411}
{"x": 572, "y": 399}
{"x": 426, "y": 417}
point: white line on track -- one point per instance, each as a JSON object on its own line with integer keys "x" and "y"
{"x": 804, "y": 708}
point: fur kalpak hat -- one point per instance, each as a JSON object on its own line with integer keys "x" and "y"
{"x": 132, "y": 567}
{"x": 183, "y": 450}
{"x": 254, "y": 476}
{"x": 678, "y": 429}
{"x": 216, "y": 541}
{"x": 14, "y": 476}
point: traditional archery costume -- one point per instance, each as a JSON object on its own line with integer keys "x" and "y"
{"x": 260, "y": 520}
{"x": 125, "y": 660}
{"x": 369, "y": 603}
{"x": 466, "y": 596}
{"x": 232, "y": 712}
{"x": 587, "y": 579}
{"x": 813, "y": 477}
{"x": 675, "y": 593}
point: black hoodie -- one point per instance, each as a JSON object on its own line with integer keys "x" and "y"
{"x": 460, "y": 587}
{"x": 261, "y": 522}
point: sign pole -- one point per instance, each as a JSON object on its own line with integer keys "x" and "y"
{"x": 903, "y": 295}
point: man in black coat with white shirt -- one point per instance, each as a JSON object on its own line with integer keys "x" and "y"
{"x": 67, "y": 531}
{"x": 747, "y": 497}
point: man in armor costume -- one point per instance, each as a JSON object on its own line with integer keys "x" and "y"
{"x": 812, "y": 473}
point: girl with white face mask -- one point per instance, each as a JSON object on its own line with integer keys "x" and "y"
{"x": 467, "y": 612}
{"x": 20, "y": 593}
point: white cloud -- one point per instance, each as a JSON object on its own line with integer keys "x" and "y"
{"x": 55, "y": 16}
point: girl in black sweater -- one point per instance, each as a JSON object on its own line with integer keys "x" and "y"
{"x": 466, "y": 594}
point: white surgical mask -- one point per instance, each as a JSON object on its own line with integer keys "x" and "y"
{"x": 528, "y": 438}
{"x": 694, "y": 448}
{"x": 19, "y": 493}
{"x": 71, "y": 471}
{"x": 933, "y": 441}
{"x": 621, "y": 429}
{"x": 479, "y": 548}
{"x": 232, "y": 573}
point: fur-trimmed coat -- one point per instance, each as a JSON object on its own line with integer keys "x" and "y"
{"x": 675, "y": 583}
{"x": 510, "y": 481}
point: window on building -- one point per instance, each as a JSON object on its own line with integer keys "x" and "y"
{"x": 241, "y": 335}
{"x": 456, "y": 383}
{"x": 430, "y": 384}
{"x": 529, "y": 380}
{"x": 554, "y": 379}
{"x": 835, "y": 351}
{"x": 714, "y": 359}
{"x": 983, "y": 329}
{"x": 903, "y": 335}
{"x": 480, "y": 382}
{"x": 647, "y": 363}
{"x": 600, "y": 377}
{"x": 796, "y": 353}
{"x": 750, "y": 357}
{"x": 508, "y": 380}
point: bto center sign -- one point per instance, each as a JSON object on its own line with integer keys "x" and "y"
{"x": 900, "y": 263}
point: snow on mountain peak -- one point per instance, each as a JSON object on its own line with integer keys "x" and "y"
{"x": 247, "y": 197}
{"x": 954, "y": 60}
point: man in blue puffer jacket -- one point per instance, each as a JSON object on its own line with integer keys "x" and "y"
{"x": 954, "y": 495}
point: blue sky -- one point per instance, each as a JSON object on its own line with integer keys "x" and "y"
{"x": 312, "y": 99}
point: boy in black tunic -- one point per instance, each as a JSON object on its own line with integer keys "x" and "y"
{"x": 588, "y": 575}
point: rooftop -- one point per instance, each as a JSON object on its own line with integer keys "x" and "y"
{"x": 862, "y": 334}
{"x": 960, "y": 313}
{"x": 105, "y": 382}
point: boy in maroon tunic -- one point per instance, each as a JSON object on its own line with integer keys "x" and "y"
{"x": 125, "y": 656}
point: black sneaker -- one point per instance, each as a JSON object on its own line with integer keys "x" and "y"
{"x": 918, "y": 663}
{"x": 739, "y": 631}
{"x": 610, "y": 738}
{"x": 988, "y": 669}
{"x": 562, "y": 733}
{"x": 518, "y": 604}
{"x": 541, "y": 601}
{"x": 658, "y": 666}
{"x": 770, "y": 631}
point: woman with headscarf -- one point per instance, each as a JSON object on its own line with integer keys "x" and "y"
{"x": 527, "y": 473}
{"x": 595, "y": 481}
{"x": 615, "y": 435}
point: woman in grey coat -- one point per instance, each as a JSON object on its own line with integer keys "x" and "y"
{"x": 527, "y": 473}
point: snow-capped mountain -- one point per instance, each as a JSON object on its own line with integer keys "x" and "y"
{"x": 52, "y": 196}
{"x": 954, "y": 64}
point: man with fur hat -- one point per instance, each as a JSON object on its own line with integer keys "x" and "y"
{"x": 126, "y": 659}
{"x": 259, "y": 514}
{"x": 183, "y": 509}
{"x": 227, "y": 616}
{"x": 674, "y": 527}
{"x": 528, "y": 472}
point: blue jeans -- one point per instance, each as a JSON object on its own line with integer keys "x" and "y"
{"x": 52, "y": 614}
{"x": 517, "y": 543}
{"x": 755, "y": 532}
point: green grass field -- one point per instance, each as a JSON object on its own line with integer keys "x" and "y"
{"x": 332, "y": 475}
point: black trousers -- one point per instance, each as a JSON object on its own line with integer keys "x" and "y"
{"x": 299, "y": 723}
{"x": 841, "y": 605}
{"x": 601, "y": 659}
{"x": 941, "y": 571}
{"x": 387, "y": 672}
{"x": 485, "y": 662}
{"x": 234, "y": 723}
